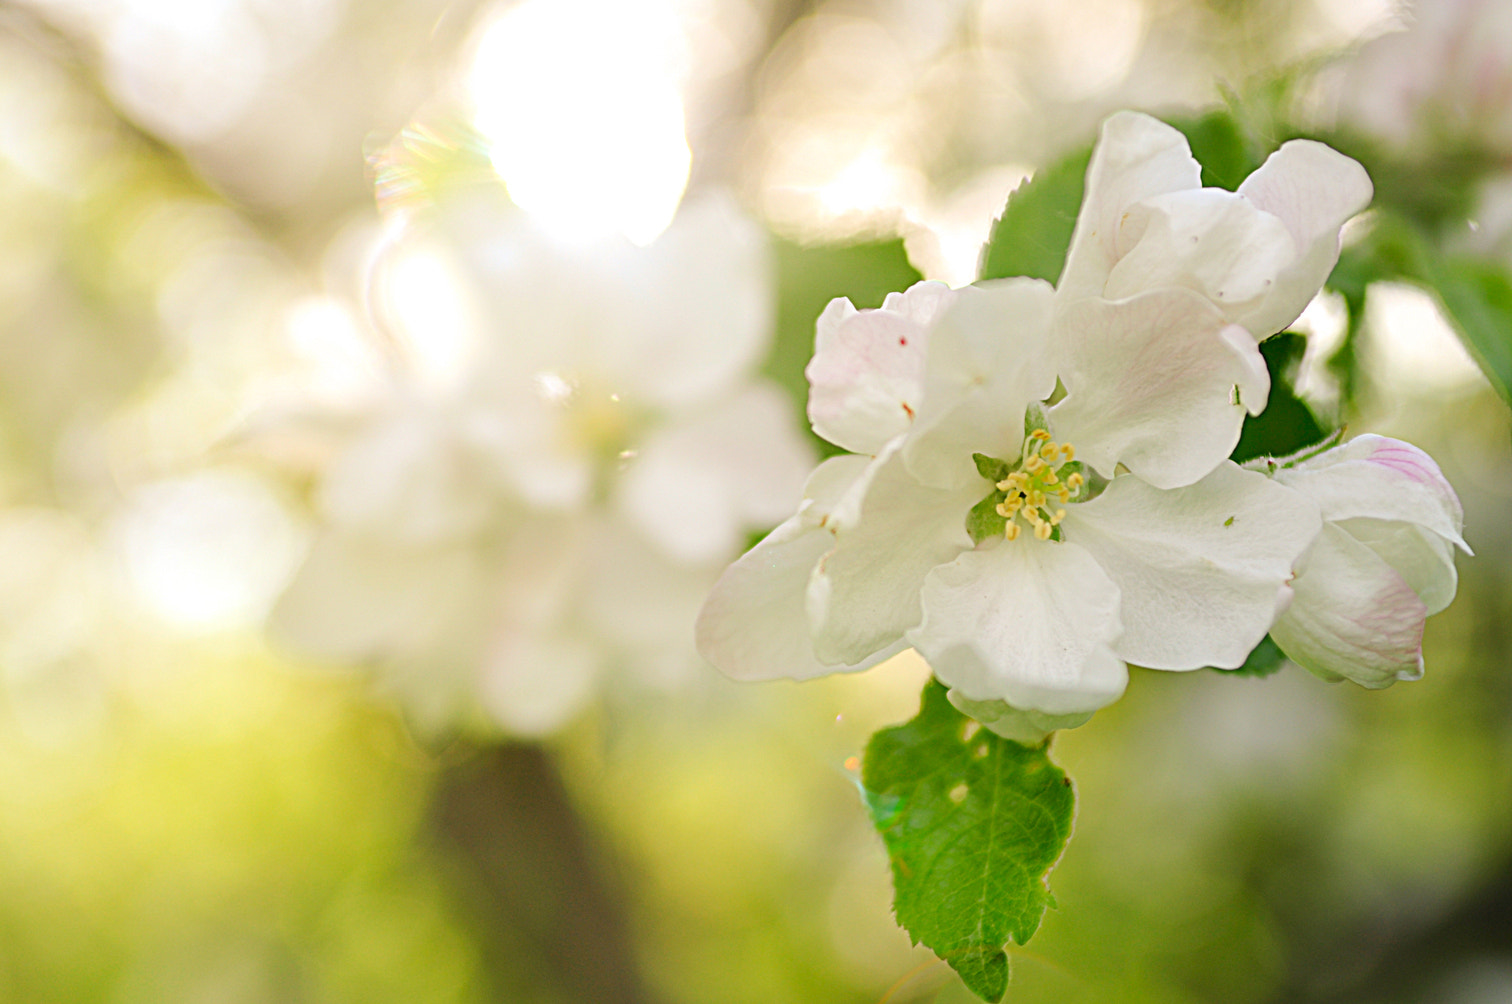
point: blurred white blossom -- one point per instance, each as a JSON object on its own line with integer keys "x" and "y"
{"x": 570, "y": 444}
{"x": 1444, "y": 77}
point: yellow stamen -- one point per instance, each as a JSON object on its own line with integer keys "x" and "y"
{"x": 1027, "y": 491}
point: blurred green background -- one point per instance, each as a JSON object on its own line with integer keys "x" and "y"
{"x": 189, "y": 815}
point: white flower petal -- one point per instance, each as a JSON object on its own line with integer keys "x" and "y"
{"x": 359, "y": 597}
{"x": 1207, "y": 240}
{"x": 1028, "y": 622}
{"x": 408, "y": 475}
{"x": 698, "y": 486}
{"x": 1200, "y": 569}
{"x": 1027, "y": 727}
{"x": 755, "y": 625}
{"x": 695, "y": 307}
{"x": 1379, "y": 478}
{"x": 533, "y": 683}
{"x": 866, "y": 376}
{"x": 987, "y": 361}
{"x": 1353, "y": 616}
{"x": 640, "y": 602}
{"x": 1313, "y": 190}
{"x": 1136, "y": 157}
{"x": 865, "y": 592}
{"x": 1151, "y": 383}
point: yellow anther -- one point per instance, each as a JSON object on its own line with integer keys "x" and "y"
{"x": 1034, "y": 463}
{"x": 1036, "y": 498}
{"x": 1011, "y": 531}
{"x": 1075, "y": 481}
{"x": 1042, "y": 531}
{"x": 1067, "y": 451}
{"x": 1039, "y": 434}
{"x": 1060, "y": 514}
{"x": 1064, "y": 494}
{"x": 1049, "y": 450}
{"x": 1049, "y": 478}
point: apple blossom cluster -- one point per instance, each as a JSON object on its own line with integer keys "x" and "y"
{"x": 539, "y": 497}
{"x": 1038, "y": 491}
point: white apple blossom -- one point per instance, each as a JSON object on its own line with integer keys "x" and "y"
{"x": 970, "y": 528}
{"x": 1382, "y": 565}
{"x": 1225, "y": 269}
{"x": 977, "y": 538}
{"x": 507, "y": 530}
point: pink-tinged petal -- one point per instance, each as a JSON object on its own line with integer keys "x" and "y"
{"x": 755, "y": 625}
{"x": 1159, "y": 383}
{"x": 865, "y": 592}
{"x": 987, "y": 361}
{"x": 1027, "y": 727}
{"x": 1201, "y": 568}
{"x": 1313, "y": 190}
{"x": 1207, "y": 240}
{"x": 831, "y": 319}
{"x": 1354, "y": 617}
{"x": 1136, "y": 157}
{"x": 697, "y": 487}
{"x": 866, "y": 376}
{"x": 1028, "y": 622}
{"x": 923, "y": 302}
{"x": 1374, "y": 477}
{"x": 1424, "y": 560}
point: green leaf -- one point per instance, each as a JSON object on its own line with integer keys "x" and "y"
{"x": 1265, "y": 659}
{"x": 973, "y": 823}
{"x": 1032, "y": 234}
{"x": 1477, "y": 296}
{"x": 1219, "y": 144}
{"x": 808, "y": 278}
{"x": 1287, "y": 424}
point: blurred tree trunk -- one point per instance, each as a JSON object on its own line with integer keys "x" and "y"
{"x": 550, "y": 923}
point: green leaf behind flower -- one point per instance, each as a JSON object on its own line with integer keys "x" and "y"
{"x": 1265, "y": 659}
{"x": 1287, "y": 424}
{"x": 972, "y": 823}
{"x": 1034, "y": 231}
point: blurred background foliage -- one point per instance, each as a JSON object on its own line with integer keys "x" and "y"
{"x": 193, "y": 815}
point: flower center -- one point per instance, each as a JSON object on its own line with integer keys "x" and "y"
{"x": 1039, "y": 481}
